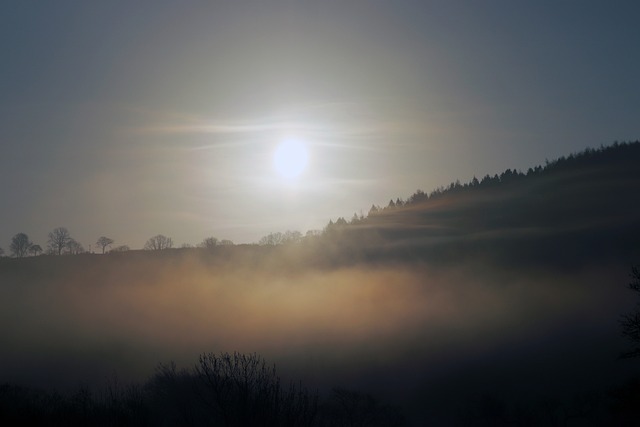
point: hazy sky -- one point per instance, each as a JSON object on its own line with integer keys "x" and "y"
{"x": 129, "y": 119}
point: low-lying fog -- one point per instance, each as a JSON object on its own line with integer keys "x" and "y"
{"x": 418, "y": 336}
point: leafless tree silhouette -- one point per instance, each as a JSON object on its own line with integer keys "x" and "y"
{"x": 58, "y": 240}
{"x": 241, "y": 390}
{"x": 103, "y": 242}
{"x": 158, "y": 243}
{"x": 20, "y": 245}
{"x": 35, "y": 249}
{"x": 209, "y": 243}
{"x": 74, "y": 247}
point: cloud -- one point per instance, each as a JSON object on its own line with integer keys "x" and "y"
{"x": 331, "y": 124}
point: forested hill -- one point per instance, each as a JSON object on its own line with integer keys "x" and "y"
{"x": 582, "y": 205}
{"x": 578, "y": 209}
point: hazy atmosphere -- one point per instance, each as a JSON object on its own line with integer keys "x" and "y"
{"x": 132, "y": 119}
{"x": 429, "y": 339}
{"x": 419, "y": 212}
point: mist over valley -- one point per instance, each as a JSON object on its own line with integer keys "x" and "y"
{"x": 510, "y": 289}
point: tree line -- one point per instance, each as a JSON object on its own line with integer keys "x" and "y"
{"x": 627, "y": 151}
{"x": 60, "y": 242}
{"x": 220, "y": 389}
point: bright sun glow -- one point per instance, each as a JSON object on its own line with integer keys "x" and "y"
{"x": 290, "y": 158}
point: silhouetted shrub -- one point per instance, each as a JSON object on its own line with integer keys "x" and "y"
{"x": 231, "y": 390}
{"x": 241, "y": 390}
{"x": 348, "y": 408}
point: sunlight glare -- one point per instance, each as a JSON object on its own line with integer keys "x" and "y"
{"x": 290, "y": 158}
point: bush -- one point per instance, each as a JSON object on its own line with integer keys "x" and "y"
{"x": 229, "y": 390}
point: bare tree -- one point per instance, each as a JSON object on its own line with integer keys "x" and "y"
{"x": 279, "y": 238}
{"x": 631, "y": 322}
{"x": 58, "y": 240}
{"x": 242, "y": 390}
{"x": 158, "y": 243}
{"x": 271, "y": 239}
{"x": 35, "y": 249}
{"x": 291, "y": 236}
{"x": 209, "y": 243}
{"x": 20, "y": 245}
{"x": 103, "y": 242}
{"x": 74, "y": 247}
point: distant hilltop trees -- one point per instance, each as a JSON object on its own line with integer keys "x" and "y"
{"x": 158, "y": 243}
{"x": 618, "y": 152}
{"x": 59, "y": 242}
{"x": 619, "y": 158}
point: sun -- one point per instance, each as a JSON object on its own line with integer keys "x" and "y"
{"x": 290, "y": 158}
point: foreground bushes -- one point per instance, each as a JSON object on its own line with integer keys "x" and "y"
{"x": 230, "y": 390}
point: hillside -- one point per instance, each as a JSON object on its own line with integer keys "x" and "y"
{"x": 506, "y": 291}
{"x": 577, "y": 207}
